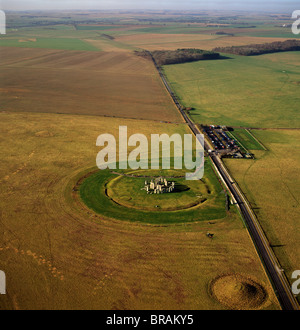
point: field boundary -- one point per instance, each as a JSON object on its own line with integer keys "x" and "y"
{"x": 238, "y": 140}
{"x": 260, "y": 143}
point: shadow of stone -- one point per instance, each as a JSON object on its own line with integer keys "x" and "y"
{"x": 181, "y": 187}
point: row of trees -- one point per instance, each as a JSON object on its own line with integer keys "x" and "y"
{"x": 258, "y": 49}
{"x": 164, "y": 57}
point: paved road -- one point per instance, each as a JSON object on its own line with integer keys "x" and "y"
{"x": 280, "y": 283}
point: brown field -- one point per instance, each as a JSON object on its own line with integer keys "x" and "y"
{"x": 9, "y": 55}
{"x": 80, "y": 82}
{"x": 107, "y": 45}
{"x": 270, "y": 184}
{"x": 57, "y": 255}
{"x": 152, "y": 39}
{"x": 201, "y": 41}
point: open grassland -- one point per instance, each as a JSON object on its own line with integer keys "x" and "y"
{"x": 271, "y": 32}
{"x": 246, "y": 139}
{"x": 271, "y": 184}
{"x": 116, "y": 84}
{"x": 120, "y": 197}
{"x": 53, "y": 31}
{"x": 51, "y": 43}
{"x": 65, "y": 37}
{"x": 58, "y": 255}
{"x": 258, "y": 31}
{"x": 90, "y": 27}
{"x": 258, "y": 91}
{"x": 129, "y": 192}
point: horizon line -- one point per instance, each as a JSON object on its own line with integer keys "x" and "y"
{"x": 154, "y": 10}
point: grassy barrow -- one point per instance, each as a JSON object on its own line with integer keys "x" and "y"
{"x": 121, "y": 197}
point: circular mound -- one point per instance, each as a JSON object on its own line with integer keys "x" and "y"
{"x": 129, "y": 192}
{"x": 236, "y": 291}
{"x": 120, "y": 196}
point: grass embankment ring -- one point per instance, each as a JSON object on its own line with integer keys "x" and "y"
{"x": 121, "y": 197}
{"x": 128, "y": 192}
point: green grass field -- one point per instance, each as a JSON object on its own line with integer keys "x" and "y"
{"x": 129, "y": 192}
{"x": 270, "y": 32}
{"x": 93, "y": 192}
{"x": 97, "y": 27}
{"x": 246, "y": 139}
{"x": 258, "y": 91}
{"x": 51, "y": 43}
{"x": 174, "y": 29}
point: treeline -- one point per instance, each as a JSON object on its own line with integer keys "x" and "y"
{"x": 164, "y": 57}
{"x": 258, "y": 49}
{"x": 107, "y": 36}
{"x": 224, "y": 33}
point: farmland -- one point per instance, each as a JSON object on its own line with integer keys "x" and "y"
{"x": 66, "y": 78}
{"x": 260, "y": 91}
{"x": 114, "y": 83}
{"x": 270, "y": 184}
{"x": 153, "y": 41}
{"x": 51, "y": 43}
{"x": 78, "y": 259}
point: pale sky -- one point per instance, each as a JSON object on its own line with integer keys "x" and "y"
{"x": 287, "y": 6}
